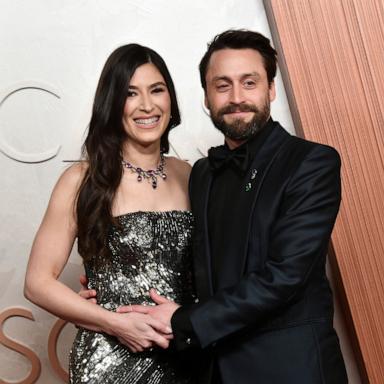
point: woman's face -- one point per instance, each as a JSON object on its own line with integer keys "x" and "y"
{"x": 147, "y": 108}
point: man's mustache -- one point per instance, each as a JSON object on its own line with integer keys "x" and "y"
{"x": 232, "y": 108}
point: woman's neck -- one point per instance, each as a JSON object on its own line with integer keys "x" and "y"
{"x": 145, "y": 157}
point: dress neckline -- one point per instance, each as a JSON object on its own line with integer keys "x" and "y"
{"x": 160, "y": 213}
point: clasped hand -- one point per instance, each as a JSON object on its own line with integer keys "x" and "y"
{"x": 140, "y": 327}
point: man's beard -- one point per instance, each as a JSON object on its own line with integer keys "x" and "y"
{"x": 238, "y": 129}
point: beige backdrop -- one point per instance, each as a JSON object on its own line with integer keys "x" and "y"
{"x": 52, "y": 53}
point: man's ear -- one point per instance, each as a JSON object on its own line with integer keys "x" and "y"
{"x": 272, "y": 91}
{"x": 206, "y": 101}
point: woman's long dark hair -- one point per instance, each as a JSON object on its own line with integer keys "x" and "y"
{"x": 103, "y": 146}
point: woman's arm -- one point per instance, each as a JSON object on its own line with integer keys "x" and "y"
{"x": 49, "y": 255}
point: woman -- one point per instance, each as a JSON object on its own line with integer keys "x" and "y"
{"x": 128, "y": 206}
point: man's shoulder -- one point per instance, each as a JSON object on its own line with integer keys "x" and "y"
{"x": 305, "y": 145}
{"x": 315, "y": 147}
{"x": 199, "y": 174}
{"x": 201, "y": 165}
{"x": 297, "y": 150}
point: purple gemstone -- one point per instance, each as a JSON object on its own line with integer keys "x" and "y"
{"x": 139, "y": 178}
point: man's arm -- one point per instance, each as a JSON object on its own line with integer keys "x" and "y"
{"x": 299, "y": 237}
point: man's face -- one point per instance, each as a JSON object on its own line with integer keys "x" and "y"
{"x": 238, "y": 94}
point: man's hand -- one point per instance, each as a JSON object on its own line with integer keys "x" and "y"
{"x": 163, "y": 311}
{"x": 139, "y": 331}
{"x": 85, "y": 293}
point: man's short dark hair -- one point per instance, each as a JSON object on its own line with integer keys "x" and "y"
{"x": 241, "y": 39}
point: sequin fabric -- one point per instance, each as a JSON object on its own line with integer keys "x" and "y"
{"x": 151, "y": 249}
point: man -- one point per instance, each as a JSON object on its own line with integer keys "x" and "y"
{"x": 265, "y": 205}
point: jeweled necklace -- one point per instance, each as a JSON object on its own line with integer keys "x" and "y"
{"x": 151, "y": 174}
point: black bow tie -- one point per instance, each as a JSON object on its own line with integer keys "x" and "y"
{"x": 222, "y": 155}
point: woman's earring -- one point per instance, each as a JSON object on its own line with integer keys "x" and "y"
{"x": 171, "y": 124}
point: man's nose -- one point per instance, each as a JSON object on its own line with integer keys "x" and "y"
{"x": 237, "y": 94}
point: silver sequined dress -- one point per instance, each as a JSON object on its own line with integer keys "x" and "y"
{"x": 150, "y": 250}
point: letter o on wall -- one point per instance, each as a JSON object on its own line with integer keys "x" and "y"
{"x": 13, "y": 153}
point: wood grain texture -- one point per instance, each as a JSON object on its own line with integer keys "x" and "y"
{"x": 332, "y": 61}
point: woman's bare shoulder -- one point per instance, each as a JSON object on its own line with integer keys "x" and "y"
{"x": 180, "y": 166}
{"x": 180, "y": 169}
{"x": 70, "y": 180}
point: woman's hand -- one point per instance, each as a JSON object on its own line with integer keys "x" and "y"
{"x": 138, "y": 331}
{"x": 163, "y": 311}
{"x": 135, "y": 330}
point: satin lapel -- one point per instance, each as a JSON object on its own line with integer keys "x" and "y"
{"x": 269, "y": 152}
{"x": 201, "y": 252}
{"x": 233, "y": 265}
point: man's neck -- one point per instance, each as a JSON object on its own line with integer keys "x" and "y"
{"x": 233, "y": 144}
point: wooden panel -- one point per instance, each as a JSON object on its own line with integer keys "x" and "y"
{"x": 332, "y": 60}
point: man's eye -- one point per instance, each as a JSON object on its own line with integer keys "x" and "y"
{"x": 249, "y": 84}
{"x": 222, "y": 87}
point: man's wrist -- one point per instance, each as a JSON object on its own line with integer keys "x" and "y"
{"x": 183, "y": 332}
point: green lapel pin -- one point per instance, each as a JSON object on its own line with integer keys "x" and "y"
{"x": 248, "y": 186}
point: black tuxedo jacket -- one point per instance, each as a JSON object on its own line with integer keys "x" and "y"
{"x": 270, "y": 318}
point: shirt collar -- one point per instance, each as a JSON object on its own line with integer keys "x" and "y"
{"x": 240, "y": 157}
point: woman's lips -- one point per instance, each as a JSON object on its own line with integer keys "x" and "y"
{"x": 147, "y": 122}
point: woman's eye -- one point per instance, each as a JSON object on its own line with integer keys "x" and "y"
{"x": 158, "y": 90}
{"x": 131, "y": 94}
